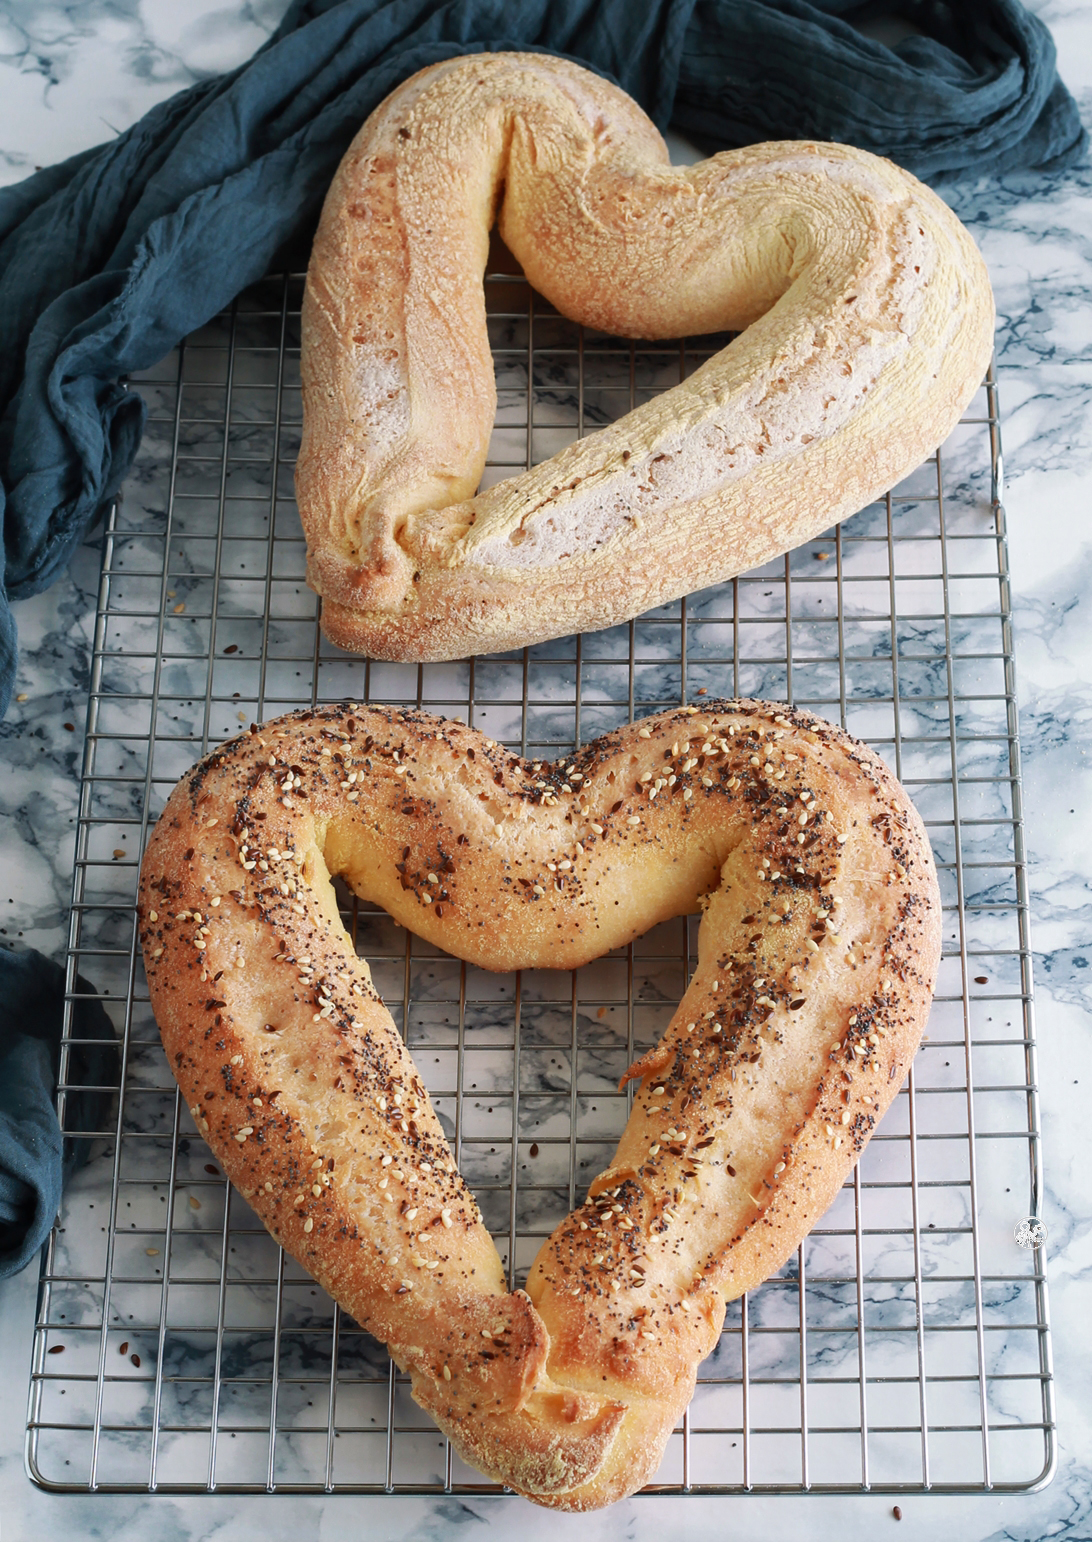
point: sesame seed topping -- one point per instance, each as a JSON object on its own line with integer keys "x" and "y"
{"x": 309, "y": 1224}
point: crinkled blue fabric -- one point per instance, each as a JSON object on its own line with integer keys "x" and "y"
{"x": 35, "y": 1157}
{"x": 107, "y": 260}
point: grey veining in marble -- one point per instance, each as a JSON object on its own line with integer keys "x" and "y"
{"x": 70, "y": 75}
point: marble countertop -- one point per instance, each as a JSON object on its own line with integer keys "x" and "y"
{"x": 69, "y": 76}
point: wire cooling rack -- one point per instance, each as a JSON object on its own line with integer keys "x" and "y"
{"x": 906, "y": 1346}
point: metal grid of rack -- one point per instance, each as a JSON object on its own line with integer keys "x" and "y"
{"x": 906, "y": 1346}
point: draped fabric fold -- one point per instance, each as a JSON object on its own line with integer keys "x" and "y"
{"x": 35, "y": 1158}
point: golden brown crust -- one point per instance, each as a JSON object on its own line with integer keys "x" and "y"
{"x": 818, "y": 949}
{"x": 868, "y": 326}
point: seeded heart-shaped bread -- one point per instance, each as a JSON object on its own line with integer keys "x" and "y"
{"x": 817, "y": 953}
{"x": 866, "y": 319}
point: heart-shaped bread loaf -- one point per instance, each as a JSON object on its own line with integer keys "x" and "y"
{"x": 866, "y": 319}
{"x": 817, "y": 953}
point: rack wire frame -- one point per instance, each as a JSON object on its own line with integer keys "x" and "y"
{"x": 906, "y": 1348}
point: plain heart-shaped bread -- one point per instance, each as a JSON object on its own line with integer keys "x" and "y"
{"x": 817, "y": 954}
{"x": 866, "y": 319}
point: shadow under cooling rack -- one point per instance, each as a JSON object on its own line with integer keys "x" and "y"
{"x": 906, "y": 1345}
